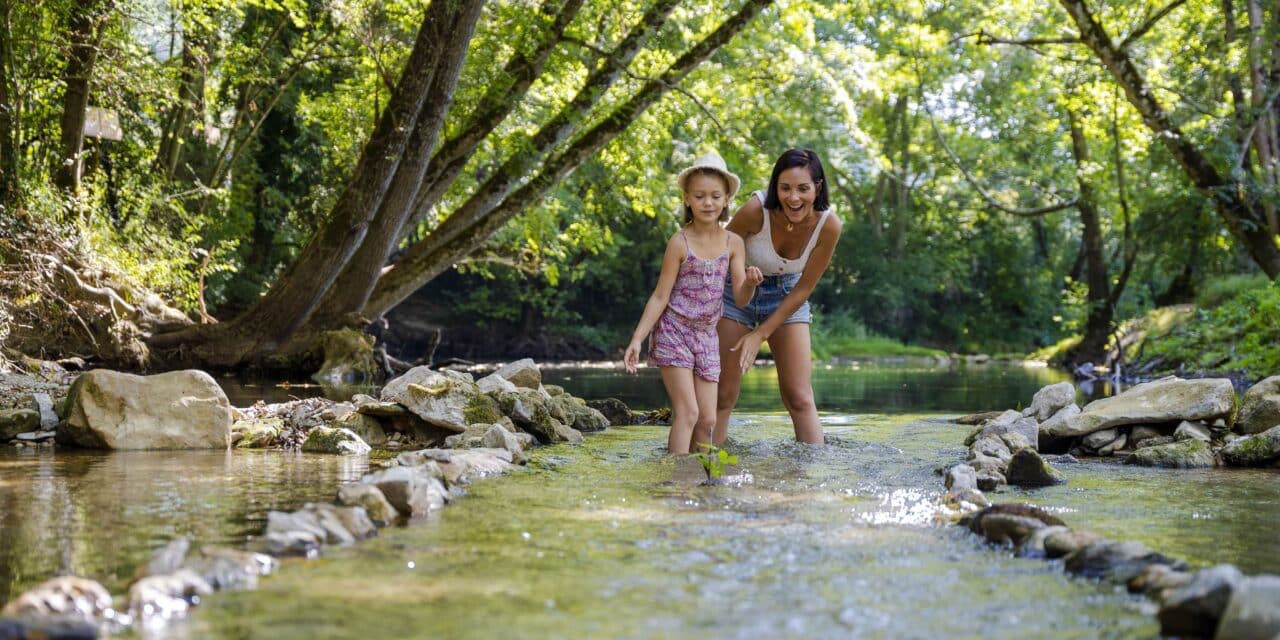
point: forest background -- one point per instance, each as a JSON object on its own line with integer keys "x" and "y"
{"x": 1013, "y": 177}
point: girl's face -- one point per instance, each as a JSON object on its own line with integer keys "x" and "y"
{"x": 705, "y": 194}
{"x": 796, "y": 192}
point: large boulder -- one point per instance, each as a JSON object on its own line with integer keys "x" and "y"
{"x": 1252, "y": 612}
{"x": 1166, "y": 400}
{"x": 1260, "y": 407}
{"x": 437, "y": 397}
{"x": 175, "y": 410}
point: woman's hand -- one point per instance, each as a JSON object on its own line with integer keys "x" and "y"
{"x": 748, "y": 347}
{"x": 632, "y": 357}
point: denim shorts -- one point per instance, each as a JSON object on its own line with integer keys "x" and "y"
{"x": 767, "y": 299}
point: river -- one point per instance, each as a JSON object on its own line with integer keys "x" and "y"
{"x": 613, "y": 539}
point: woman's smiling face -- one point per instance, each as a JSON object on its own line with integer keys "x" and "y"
{"x": 796, "y": 192}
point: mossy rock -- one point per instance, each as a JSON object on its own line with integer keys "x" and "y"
{"x": 259, "y": 434}
{"x": 1258, "y": 450}
{"x": 1187, "y": 454}
{"x": 482, "y": 409}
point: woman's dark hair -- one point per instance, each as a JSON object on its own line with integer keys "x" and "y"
{"x": 688, "y": 212}
{"x": 799, "y": 158}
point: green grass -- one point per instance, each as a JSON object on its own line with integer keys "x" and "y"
{"x": 842, "y": 336}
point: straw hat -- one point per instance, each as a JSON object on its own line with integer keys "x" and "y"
{"x": 714, "y": 162}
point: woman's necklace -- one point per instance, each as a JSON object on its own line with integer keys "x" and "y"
{"x": 791, "y": 224}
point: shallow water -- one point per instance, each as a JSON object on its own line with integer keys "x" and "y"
{"x": 613, "y": 539}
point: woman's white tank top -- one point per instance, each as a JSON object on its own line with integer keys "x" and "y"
{"x": 760, "y": 251}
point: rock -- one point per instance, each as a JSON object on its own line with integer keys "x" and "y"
{"x": 614, "y": 410}
{"x": 1115, "y": 445}
{"x": 166, "y": 596}
{"x": 1050, "y": 400}
{"x": 1260, "y": 407}
{"x": 1252, "y": 611}
{"x": 1033, "y": 546}
{"x": 974, "y": 418}
{"x": 498, "y": 437}
{"x": 225, "y": 568}
{"x": 482, "y": 409}
{"x": 69, "y": 596}
{"x": 1115, "y": 561}
{"x": 1008, "y": 529}
{"x": 370, "y": 498}
{"x": 257, "y": 433}
{"x": 48, "y": 629}
{"x": 167, "y": 559}
{"x": 989, "y": 479}
{"x": 1257, "y": 450}
{"x": 1156, "y": 579}
{"x": 961, "y": 477}
{"x": 331, "y": 440}
{"x": 413, "y": 491}
{"x": 175, "y": 410}
{"x": 1141, "y": 433}
{"x": 1188, "y": 454}
{"x": 438, "y": 398}
{"x": 1027, "y": 427}
{"x": 967, "y": 500}
{"x": 43, "y": 404}
{"x": 1100, "y": 439}
{"x": 293, "y": 543}
{"x": 365, "y": 426}
{"x": 991, "y": 447}
{"x": 1197, "y": 430}
{"x": 348, "y": 358}
{"x": 377, "y": 408}
{"x": 1028, "y": 469}
{"x": 342, "y": 524}
{"x": 460, "y": 466}
{"x": 495, "y": 383}
{"x": 522, "y": 373}
{"x": 1058, "y": 421}
{"x": 1154, "y": 442}
{"x": 15, "y": 421}
{"x": 1194, "y": 609}
{"x": 1166, "y": 400}
{"x": 1058, "y": 544}
{"x": 1016, "y": 441}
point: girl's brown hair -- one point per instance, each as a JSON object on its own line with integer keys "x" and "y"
{"x": 684, "y": 206}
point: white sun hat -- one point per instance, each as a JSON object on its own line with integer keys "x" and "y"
{"x": 714, "y": 162}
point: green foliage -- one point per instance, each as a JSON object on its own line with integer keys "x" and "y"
{"x": 715, "y": 461}
{"x": 1217, "y": 291}
{"x": 1239, "y": 334}
{"x": 841, "y": 335}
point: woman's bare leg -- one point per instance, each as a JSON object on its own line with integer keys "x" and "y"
{"x": 684, "y": 407}
{"x": 730, "y": 332}
{"x": 791, "y": 353}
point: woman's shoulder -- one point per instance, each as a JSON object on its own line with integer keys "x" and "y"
{"x": 832, "y": 223}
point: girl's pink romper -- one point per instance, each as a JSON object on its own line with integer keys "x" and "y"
{"x": 685, "y": 335}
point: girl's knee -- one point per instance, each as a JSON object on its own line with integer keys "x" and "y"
{"x": 798, "y": 400}
{"x": 687, "y": 415}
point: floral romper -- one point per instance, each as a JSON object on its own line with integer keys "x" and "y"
{"x": 685, "y": 335}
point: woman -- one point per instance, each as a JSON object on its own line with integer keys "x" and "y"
{"x": 790, "y": 236}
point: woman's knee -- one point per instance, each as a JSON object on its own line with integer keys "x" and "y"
{"x": 798, "y": 399}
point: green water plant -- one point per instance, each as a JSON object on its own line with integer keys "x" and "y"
{"x": 714, "y": 461}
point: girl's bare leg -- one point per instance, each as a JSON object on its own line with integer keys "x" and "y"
{"x": 730, "y": 332}
{"x": 684, "y": 407}
{"x": 705, "y": 391}
{"x": 792, "y": 355}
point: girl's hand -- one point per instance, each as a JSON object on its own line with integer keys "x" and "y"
{"x": 754, "y": 276}
{"x": 632, "y": 357}
{"x": 748, "y": 347}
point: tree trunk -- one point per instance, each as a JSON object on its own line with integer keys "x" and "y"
{"x": 1238, "y": 208}
{"x": 1093, "y": 347}
{"x": 443, "y": 37}
{"x": 9, "y": 185}
{"x": 190, "y": 104}
{"x": 425, "y": 261}
{"x": 83, "y": 34}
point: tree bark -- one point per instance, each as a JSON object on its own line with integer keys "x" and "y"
{"x": 352, "y": 288}
{"x": 1093, "y": 347}
{"x": 190, "y": 103}
{"x": 425, "y": 261}
{"x": 83, "y": 33}
{"x": 9, "y": 185}
{"x": 444, "y": 35}
{"x": 1237, "y": 206}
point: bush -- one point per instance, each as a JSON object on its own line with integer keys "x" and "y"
{"x": 1240, "y": 333}
{"x": 840, "y": 334}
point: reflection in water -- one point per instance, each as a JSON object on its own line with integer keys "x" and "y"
{"x": 101, "y": 515}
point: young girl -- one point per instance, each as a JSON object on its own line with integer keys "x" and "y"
{"x": 686, "y": 303}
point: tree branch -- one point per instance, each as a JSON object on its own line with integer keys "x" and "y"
{"x": 1149, "y": 23}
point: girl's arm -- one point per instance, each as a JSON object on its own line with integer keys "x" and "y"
{"x": 749, "y": 345}
{"x": 743, "y": 278}
{"x": 657, "y": 301}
